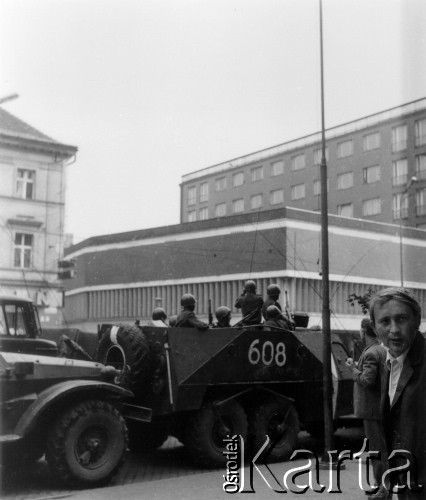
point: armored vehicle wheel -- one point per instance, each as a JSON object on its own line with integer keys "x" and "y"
{"x": 207, "y": 429}
{"x": 87, "y": 444}
{"x": 279, "y": 421}
{"x": 123, "y": 346}
{"x": 143, "y": 438}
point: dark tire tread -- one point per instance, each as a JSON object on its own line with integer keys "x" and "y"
{"x": 57, "y": 438}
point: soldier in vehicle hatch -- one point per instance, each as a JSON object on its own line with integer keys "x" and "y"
{"x": 223, "y": 316}
{"x": 159, "y": 317}
{"x": 273, "y": 293}
{"x": 250, "y": 304}
{"x": 274, "y": 317}
{"x": 187, "y": 316}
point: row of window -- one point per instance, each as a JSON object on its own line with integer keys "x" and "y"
{"x": 298, "y": 162}
{"x": 370, "y": 207}
{"x": 345, "y": 180}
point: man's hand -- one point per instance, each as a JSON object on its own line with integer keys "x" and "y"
{"x": 351, "y": 363}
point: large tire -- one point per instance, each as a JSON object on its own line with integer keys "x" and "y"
{"x": 208, "y": 427}
{"x": 126, "y": 346}
{"x": 87, "y": 444}
{"x": 145, "y": 438}
{"x": 279, "y": 420}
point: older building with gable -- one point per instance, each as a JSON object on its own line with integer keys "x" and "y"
{"x": 32, "y": 208}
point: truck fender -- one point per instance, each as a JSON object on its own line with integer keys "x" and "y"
{"x": 62, "y": 391}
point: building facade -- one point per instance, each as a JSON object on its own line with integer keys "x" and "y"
{"x": 371, "y": 164}
{"x": 123, "y": 277}
{"x": 32, "y": 208}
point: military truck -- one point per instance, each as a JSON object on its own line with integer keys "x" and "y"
{"x": 69, "y": 410}
{"x": 203, "y": 386}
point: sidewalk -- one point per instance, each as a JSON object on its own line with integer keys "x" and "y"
{"x": 209, "y": 486}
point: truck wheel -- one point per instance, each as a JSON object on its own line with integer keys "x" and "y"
{"x": 143, "y": 438}
{"x": 206, "y": 430}
{"x": 275, "y": 418}
{"x": 87, "y": 444}
{"x": 123, "y": 346}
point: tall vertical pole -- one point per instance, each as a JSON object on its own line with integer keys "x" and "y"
{"x": 326, "y": 347}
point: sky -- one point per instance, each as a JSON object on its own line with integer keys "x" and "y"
{"x": 150, "y": 90}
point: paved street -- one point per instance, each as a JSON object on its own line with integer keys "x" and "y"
{"x": 168, "y": 473}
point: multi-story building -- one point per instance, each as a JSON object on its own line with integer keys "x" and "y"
{"x": 32, "y": 211}
{"x": 371, "y": 164}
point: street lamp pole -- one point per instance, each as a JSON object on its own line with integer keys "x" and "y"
{"x": 401, "y": 257}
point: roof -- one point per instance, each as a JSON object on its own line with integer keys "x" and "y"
{"x": 11, "y": 125}
{"x": 199, "y": 227}
{"x": 308, "y": 140}
{"x": 14, "y": 132}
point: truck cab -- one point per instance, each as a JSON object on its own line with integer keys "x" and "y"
{"x": 20, "y": 328}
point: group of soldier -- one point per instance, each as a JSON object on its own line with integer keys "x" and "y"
{"x": 253, "y": 309}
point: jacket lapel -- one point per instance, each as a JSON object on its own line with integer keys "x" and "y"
{"x": 407, "y": 371}
{"x": 414, "y": 357}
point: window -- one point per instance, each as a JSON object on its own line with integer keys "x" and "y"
{"x": 421, "y": 166}
{"x": 277, "y": 168}
{"x": 317, "y": 187}
{"x": 318, "y": 155}
{"x": 345, "y": 149}
{"x": 192, "y": 216}
{"x": 298, "y": 162}
{"x": 399, "y": 172}
{"x": 277, "y": 196}
{"x": 23, "y": 249}
{"x": 345, "y": 181}
{"x": 399, "y": 138}
{"x": 203, "y": 214}
{"x": 371, "y": 174}
{"x": 371, "y": 141}
{"x": 220, "y": 184}
{"x": 192, "y": 195}
{"x": 298, "y": 192}
{"x": 372, "y": 207}
{"x": 15, "y": 320}
{"x": 25, "y": 184}
{"x": 400, "y": 210}
{"x": 238, "y": 179}
{"x": 204, "y": 192}
{"x": 345, "y": 210}
{"x": 256, "y": 201}
{"x": 257, "y": 174}
{"x": 238, "y": 205}
{"x": 421, "y": 202}
{"x": 220, "y": 210}
{"x": 420, "y": 132}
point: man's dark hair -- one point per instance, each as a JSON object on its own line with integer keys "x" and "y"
{"x": 395, "y": 293}
{"x": 367, "y": 327}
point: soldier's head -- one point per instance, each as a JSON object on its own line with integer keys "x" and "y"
{"x": 159, "y": 314}
{"x": 273, "y": 291}
{"x": 395, "y": 316}
{"x": 272, "y": 312}
{"x": 172, "y": 320}
{"x": 223, "y": 316}
{"x": 249, "y": 286}
{"x": 188, "y": 301}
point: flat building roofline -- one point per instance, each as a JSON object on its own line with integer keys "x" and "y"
{"x": 307, "y": 140}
